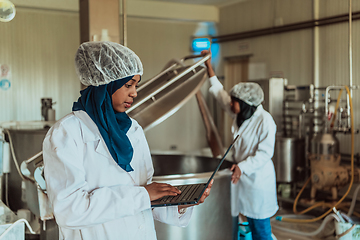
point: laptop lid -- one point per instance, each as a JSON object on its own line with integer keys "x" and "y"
{"x": 222, "y": 160}
{"x": 195, "y": 197}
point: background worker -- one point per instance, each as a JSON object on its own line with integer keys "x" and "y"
{"x": 253, "y": 187}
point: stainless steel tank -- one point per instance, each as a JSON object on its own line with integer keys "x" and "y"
{"x": 325, "y": 144}
{"x": 211, "y": 220}
{"x": 289, "y": 159}
{"x": 325, "y": 158}
{"x": 25, "y": 143}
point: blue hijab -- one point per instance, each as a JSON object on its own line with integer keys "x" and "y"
{"x": 113, "y": 126}
{"x": 246, "y": 111}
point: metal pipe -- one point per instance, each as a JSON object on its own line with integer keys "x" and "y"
{"x": 316, "y": 55}
{"x": 285, "y": 28}
{"x": 327, "y": 96}
{"x": 316, "y": 46}
{"x": 300, "y": 125}
{"x": 347, "y": 99}
{"x": 350, "y": 60}
{"x": 124, "y": 23}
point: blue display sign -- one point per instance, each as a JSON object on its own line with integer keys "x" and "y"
{"x": 199, "y": 44}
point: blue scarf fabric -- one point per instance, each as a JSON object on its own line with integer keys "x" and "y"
{"x": 113, "y": 126}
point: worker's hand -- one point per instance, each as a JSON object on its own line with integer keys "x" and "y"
{"x": 159, "y": 190}
{"x": 206, "y": 192}
{"x": 203, "y": 197}
{"x": 210, "y": 70}
{"x": 207, "y": 62}
{"x": 236, "y": 173}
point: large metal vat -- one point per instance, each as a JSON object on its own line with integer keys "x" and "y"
{"x": 289, "y": 159}
{"x": 25, "y": 143}
{"x": 160, "y": 97}
{"x": 211, "y": 220}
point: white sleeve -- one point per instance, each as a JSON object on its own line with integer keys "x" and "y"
{"x": 75, "y": 205}
{"x": 170, "y": 215}
{"x": 222, "y": 97}
{"x": 264, "y": 151}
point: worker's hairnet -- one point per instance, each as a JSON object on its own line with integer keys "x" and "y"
{"x": 249, "y": 92}
{"x": 99, "y": 63}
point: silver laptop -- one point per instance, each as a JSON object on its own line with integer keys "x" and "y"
{"x": 190, "y": 193}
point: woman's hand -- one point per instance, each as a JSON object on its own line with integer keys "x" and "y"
{"x": 159, "y": 190}
{"x": 203, "y": 197}
{"x": 210, "y": 70}
{"x": 207, "y": 62}
{"x": 236, "y": 173}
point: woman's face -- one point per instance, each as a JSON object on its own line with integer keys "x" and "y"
{"x": 124, "y": 96}
{"x": 235, "y": 106}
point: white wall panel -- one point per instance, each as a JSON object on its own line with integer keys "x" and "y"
{"x": 259, "y": 14}
{"x": 286, "y": 54}
{"x": 39, "y": 46}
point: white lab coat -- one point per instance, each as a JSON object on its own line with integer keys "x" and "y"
{"x": 254, "y": 195}
{"x": 92, "y": 197}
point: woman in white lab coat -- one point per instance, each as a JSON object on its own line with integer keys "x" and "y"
{"x": 253, "y": 179}
{"x": 97, "y": 164}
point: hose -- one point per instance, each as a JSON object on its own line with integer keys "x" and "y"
{"x": 297, "y": 199}
{"x": 14, "y": 224}
{"x": 317, "y": 231}
{"x": 351, "y": 181}
{"x": 13, "y": 154}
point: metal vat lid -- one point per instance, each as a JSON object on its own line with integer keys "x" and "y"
{"x": 160, "y": 97}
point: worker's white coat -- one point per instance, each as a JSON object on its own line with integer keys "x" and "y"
{"x": 92, "y": 197}
{"x": 254, "y": 195}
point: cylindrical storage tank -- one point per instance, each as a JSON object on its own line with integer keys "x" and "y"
{"x": 210, "y": 220}
{"x": 289, "y": 159}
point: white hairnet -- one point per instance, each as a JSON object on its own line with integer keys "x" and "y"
{"x": 99, "y": 63}
{"x": 249, "y": 92}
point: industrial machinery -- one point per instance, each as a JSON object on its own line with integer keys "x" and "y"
{"x": 47, "y": 112}
{"x": 312, "y": 160}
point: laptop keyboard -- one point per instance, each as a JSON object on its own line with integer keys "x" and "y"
{"x": 187, "y": 192}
